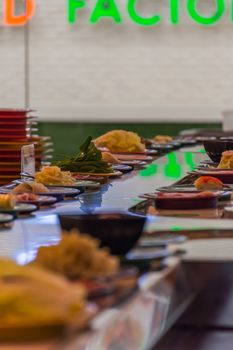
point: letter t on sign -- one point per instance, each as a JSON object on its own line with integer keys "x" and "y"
{"x": 73, "y": 6}
{"x": 11, "y": 19}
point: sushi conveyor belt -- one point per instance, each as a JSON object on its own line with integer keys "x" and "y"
{"x": 163, "y": 296}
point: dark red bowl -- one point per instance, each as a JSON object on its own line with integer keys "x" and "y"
{"x": 186, "y": 203}
{"x": 119, "y": 232}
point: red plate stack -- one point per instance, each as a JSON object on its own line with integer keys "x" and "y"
{"x": 18, "y": 128}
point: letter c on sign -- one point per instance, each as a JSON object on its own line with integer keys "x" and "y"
{"x": 10, "y": 19}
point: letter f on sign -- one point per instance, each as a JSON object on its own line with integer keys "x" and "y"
{"x": 11, "y": 19}
{"x": 73, "y": 6}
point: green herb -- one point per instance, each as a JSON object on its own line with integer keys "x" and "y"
{"x": 88, "y": 160}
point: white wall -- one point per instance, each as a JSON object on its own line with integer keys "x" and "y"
{"x": 109, "y": 72}
{"x": 12, "y": 66}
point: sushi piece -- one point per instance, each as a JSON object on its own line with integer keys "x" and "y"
{"x": 204, "y": 183}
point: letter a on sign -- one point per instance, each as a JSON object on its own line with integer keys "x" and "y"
{"x": 11, "y": 19}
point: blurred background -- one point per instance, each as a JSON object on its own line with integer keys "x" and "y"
{"x": 86, "y": 79}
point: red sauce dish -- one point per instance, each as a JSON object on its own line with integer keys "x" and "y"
{"x": 177, "y": 200}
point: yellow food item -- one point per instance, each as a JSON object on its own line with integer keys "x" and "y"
{"x": 77, "y": 256}
{"x": 120, "y": 141}
{"x": 7, "y": 201}
{"x": 53, "y": 175}
{"x": 163, "y": 139}
{"x": 226, "y": 160}
{"x": 29, "y": 294}
{"x": 110, "y": 158}
{"x": 29, "y": 187}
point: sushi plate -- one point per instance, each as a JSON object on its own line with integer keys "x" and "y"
{"x": 6, "y": 218}
{"x": 21, "y": 209}
{"x": 78, "y": 184}
{"x": 122, "y": 168}
{"x": 61, "y": 191}
{"x": 146, "y": 152}
{"x": 141, "y": 254}
{"x": 114, "y": 174}
{"x": 39, "y": 201}
{"x": 52, "y": 191}
{"x": 187, "y": 189}
{"x": 157, "y": 240}
{"x": 130, "y": 156}
{"x": 134, "y": 163}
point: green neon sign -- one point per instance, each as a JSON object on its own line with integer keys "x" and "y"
{"x": 174, "y": 11}
{"x": 172, "y": 169}
{"x": 207, "y": 21}
{"x": 73, "y": 6}
{"x": 138, "y": 18}
{"x": 110, "y": 9}
{"x": 105, "y": 8}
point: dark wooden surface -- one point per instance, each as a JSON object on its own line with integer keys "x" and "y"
{"x": 208, "y": 322}
{"x": 193, "y": 339}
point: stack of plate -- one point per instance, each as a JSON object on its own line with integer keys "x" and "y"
{"x": 18, "y": 128}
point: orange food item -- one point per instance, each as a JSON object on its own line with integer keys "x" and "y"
{"x": 26, "y": 197}
{"x": 110, "y": 158}
{"x": 7, "y": 201}
{"x": 208, "y": 183}
{"x": 120, "y": 141}
{"x": 226, "y": 160}
{"x": 30, "y": 187}
{"x": 163, "y": 139}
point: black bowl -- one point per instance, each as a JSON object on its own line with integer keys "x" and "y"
{"x": 215, "y": 148}
{"x": 118, "y": 232}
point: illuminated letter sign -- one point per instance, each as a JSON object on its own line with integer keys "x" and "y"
{"x": 108, "y": 8}
{"x": 11, "y": 19}
{"x": 139, "y": 19}
{"x": 192, "y": 4}
{"x": 174, "y": 11}
{"x": 73, "y": 6}
{"x": 105, "y": 8}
